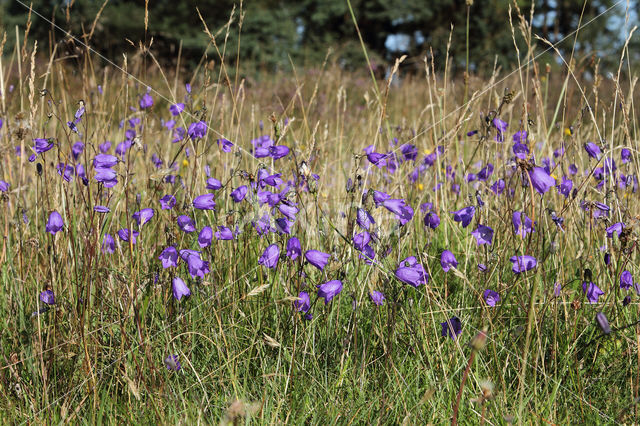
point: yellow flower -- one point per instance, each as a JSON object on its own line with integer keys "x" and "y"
{"x": 420, "y": 187}
{"x": 567, "y": 131}
{"x": 185, "y": 163}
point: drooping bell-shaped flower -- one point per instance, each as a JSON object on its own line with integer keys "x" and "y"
{"x": 464, "y": 216}
{"x": 169, "y": 257}
{"x": 224, "y": 233}
{"x": 483, "y": 235}
{"x": 523, "y": 263}
{"x": 196, "y": 266}
{"x": 288, "y": 210}
{"x": 108, "y": 244}
{"x": 42, "y": 145}
{"x": 303, "y": 303}
{"x": 107, "y": 177}
{"x": 270, "y": 256}
{"x": 167, "y": 202}
{"x": 283, "y": 225}
{"x": 522, "y": 224}
{"x": 104, "y": 161}
{"x": 448, "y": 261}
{"x": 47, "y": 297}
{"x": 541, "y": 180}
{"x": 143, "y": 216}
{"x": 403, "y": 211}
{"x": 329, "y": 290}
{"x": 317, "y": 258}
{"x": 377, "y": 298}
{"x": 625, "y": 155}
{"x": 185, "y": 223}
{"x": 591, "y": 291}
{"x": 491, "y": 297}
{"x": 360, "y": 240}
{"x": 565, "y": 187}
{"x": 205, "y": 236}
{"x": 213, "y": 184}
{"x": 294, "y": 249}
{"x": 279, "y": 151}
{"x": 176, "y": 109}
{"x": 593, "y": 150}
{"x": 411, "y": 272}
{"x": 225, "y": 144}
{"x": 431, "y": 220}
{"x": 179, "y": 288}
{"x": 616, "y": 228}
{"x": 364, "y": 219}
{"x": 205, "y": 202}
{"x": 197, "y": 130}
{"x": 451, "y": 327}
{"x": 626, "y": 280}
{"x": 146, "y": 101}
{"x": 55, "y": 223}
{"x": 126, "y": 234}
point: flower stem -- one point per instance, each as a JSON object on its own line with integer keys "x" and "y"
{"x": 454, "y": 420}
{"x": 527, "y": 342}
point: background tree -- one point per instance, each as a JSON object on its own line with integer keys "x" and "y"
{"x": 274, "y": 30}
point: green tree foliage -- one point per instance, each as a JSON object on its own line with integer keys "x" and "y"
{"x": 274, "y": 30}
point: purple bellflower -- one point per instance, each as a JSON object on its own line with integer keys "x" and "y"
{"x": 205, "y": 236}
{"x": 329, "y": 290}
{"x": 411, "y": 272}
{"x": 626, "y": 280}
{"x": 464, "y": 215}
{"x": 593, "y": 150}
{"x": 303, "y": 304}
{"x": 167, "y": 202}
{"x": 108, "y": 244}
{"x": 591, "y": 291}
{"x": 491, "y": 297}
{"x": 126, "y": 234}
{"x": 377, "y": 298}
{"x": 522, "y": 224}
{"x": 451, "y": 328}
{"x": 448, "y": 261}
{"x": 54, "y": 224}
{"x": 47, "y": 297}
{"x": 169, "y": 257}
{"x": 317, "y": 258}
{"x": 523, "y": 263}
{"x": 294, "y": 249}
{"x": 204, "y": 202}
{"x": 270, "y": 256}
{"x": 179, "y": 288}
{"x": 483, "y": 235}
{"x": 143, "y": 216}
{"x": 185, "y": 223}
{"x": 541, "y": 180}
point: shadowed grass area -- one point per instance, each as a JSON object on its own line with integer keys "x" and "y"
{"x": 246, "y": 347}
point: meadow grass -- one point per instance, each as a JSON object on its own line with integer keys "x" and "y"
{"x": 98, "y": 355}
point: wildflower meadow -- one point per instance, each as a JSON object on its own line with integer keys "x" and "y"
{"x": 317, "y": 244}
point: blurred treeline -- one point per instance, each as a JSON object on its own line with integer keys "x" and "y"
{"x": 275, "y": 33}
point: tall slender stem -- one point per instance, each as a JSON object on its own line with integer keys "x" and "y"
{"x": 454, "y": 420}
